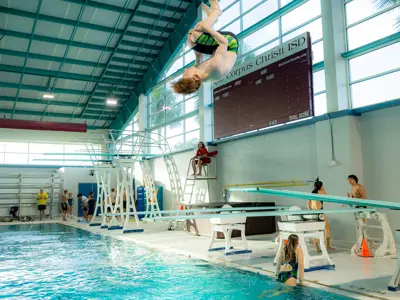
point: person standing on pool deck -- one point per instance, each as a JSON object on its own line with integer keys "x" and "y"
{"x": 290, "y": 266}
{"x": 84, "y": 200}
{"x": 317, "y": 205}
{"x": 70, "y": 204}
{"x": 64, "y": 205}
{"x": 357, "y": 190}
{"x": 203, "y": 39}
{"x": 41, "y": 197}
{"x": 92, "y": 205}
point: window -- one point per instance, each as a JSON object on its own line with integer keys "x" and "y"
{"x": 319, "y": 81}
{"x": 320, "y": 107}
{"x": 259, "y": 13}
{"x": 262, "y": 36}
{"x": 229, "y": 15}
{"x": 379, "y": 61}
{"x": 380, "y": 89}
{"x": 377, "y": 28}
{"x": 358, "y": 10}
{"x": 315, "y": 29}
{"x": 301, "y": 15}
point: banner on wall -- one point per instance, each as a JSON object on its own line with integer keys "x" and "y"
{"x": 270, "y": 89}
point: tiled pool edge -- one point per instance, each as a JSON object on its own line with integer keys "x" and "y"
{"x": 312, "y": 284}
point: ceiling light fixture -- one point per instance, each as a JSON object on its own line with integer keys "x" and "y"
{"x": 112, "y": 101}
{"x": 48, "y": 96}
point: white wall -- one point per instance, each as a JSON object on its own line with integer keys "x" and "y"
{"x": 381, "y": 144}
{"x": 366, "y": 146}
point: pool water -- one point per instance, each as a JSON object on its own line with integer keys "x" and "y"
{"x": 54, "y": 261}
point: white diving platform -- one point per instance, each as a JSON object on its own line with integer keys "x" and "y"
{"x": 306, "y": 230}
{"x": 394, "y": 284}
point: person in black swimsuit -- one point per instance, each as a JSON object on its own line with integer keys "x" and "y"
{"x": 92, "y": 206}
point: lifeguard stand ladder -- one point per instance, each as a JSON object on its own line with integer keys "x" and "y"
{"x": 190, "y": 187}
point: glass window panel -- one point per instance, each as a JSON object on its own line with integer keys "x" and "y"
{"x": 157, "y": 93}
{"x": 377, "y": 28}
{"x": 357, "y": 10}
{"x": 377, "y": 90}
{"x": 157, "y": 105}
{"x": 135, "y": 127}
{"x": 266, "y": 48}
{"x": 157, "y": 119}
{"x": 247, "y": 4}
{"x": 318, "y": 52}
{"x": 261, "y": 36}
{"x": 284, "y": 2}
{"x": 46, "y": 148}
{"x": 16, "y": 158}
{"x": 174, "y": 112}
{"x": 375, "y": 62}
{"x": 16, "y": 147}
{"x": 178, "y": 64}
{"x": 189, "y": 57}
{"x": 259, "y": 13}
{"x": 157, "y": 136}
{"x": 234, "y": 27}
{"x": 174, "y": 129}
{"x": 228, "y": 15}
{"x": 320, "y": 107}
{"x": 300, "y": 15}
{"x": 191, "y": 105}
{"x": 176, "y": 143}
{"x": 315, "y": 29}
{"x": 192, "y": 139}
{"x": 225, "y": 3}
{"x": 173, "y": 99}
{"x": 192, "y": 123}
{"x": 319, "y": 81}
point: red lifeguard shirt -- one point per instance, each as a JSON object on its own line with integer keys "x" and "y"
{"x": 201, "y": 151}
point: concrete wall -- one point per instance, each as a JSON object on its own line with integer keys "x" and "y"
{"x": 365, "y": 146}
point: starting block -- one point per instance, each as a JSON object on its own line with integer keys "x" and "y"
{"x": 226, "y": 226}
{"x": 387, "y": 244}
{"x": 306, "y": 230}
{"x": 394, "y": 284}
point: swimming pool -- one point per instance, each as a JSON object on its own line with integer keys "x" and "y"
{"x": 55, "y": 261}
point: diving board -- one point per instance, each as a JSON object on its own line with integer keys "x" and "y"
{"x": 324, "y": 198}
{"x": 211, "y": 210}
{"x": 266, "y": 214}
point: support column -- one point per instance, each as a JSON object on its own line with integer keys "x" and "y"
{"x": 336, "y": 75}
{"x": 143, "y": 107}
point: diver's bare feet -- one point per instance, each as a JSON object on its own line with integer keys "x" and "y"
{"x": 215, "y": 7}
{"x": 206, "y": 9}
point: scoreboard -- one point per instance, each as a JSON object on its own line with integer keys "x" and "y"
{"x": 271, "y": 89}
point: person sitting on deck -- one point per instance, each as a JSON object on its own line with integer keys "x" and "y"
{"x": 203, "y": 39}
{"x": 200, "y": 159}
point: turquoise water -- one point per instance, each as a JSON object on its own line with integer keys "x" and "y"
{"x": 54, "y": 261}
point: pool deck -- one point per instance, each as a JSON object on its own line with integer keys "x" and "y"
{"x": 354, "y": 277}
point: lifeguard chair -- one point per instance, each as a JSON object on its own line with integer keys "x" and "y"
{"x": 190, "y": 182}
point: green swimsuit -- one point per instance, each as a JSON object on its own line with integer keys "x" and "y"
{"x": 206, "y": 44}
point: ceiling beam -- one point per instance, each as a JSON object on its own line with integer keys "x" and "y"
{"x": 165, "y": 55}
{"x": 120, "y": 9}
{"x": 58, "y": 41}
{"x": 57, "y": 90}
{"x": 155, "y": 17}
{"x": 68, "y": 60}
{"x": 63, "y": 21}
{"x": 69, "y": 76}
{"x": 49, "y": 114}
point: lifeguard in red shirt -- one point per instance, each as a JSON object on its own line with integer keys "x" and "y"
{"x": 201, "y": 158}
